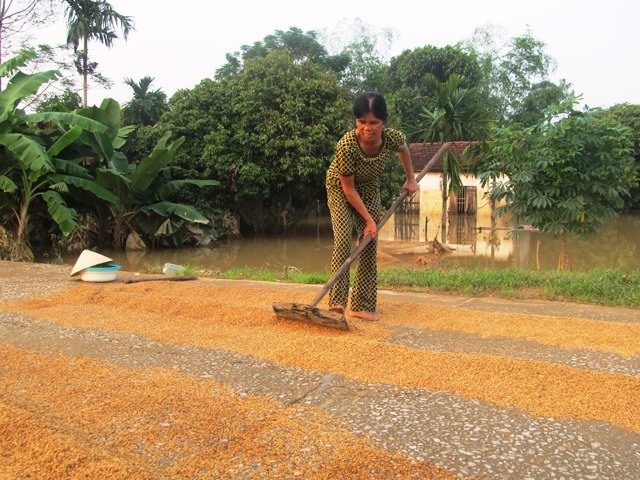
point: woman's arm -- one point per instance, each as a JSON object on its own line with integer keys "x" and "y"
{"x": 353, "y": 197}
{"x": 405, "y": 157}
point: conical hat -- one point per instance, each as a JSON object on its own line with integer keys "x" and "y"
{"x": 88, "y": 259}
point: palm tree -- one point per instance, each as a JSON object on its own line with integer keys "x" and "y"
{"x": 146, "y": 106}
{"x": 454, "y": 113}
{"x": 92, "y": 20}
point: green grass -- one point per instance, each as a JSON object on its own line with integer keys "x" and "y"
{"x": 601, "y": 287}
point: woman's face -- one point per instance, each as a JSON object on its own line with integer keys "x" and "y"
{"x": 369, "y": 128}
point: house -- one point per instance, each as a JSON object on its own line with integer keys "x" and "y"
{"x": 419, "y": 218}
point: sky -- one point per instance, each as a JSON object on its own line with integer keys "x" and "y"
{"x": 595, "y": 44}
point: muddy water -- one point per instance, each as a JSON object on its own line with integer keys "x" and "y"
{"x": 615, "y": 245}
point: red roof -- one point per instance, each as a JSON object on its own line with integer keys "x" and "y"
{"x": 421, "y": 153}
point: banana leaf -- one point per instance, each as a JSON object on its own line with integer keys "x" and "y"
{"x": 7, "y": 185}
{"x": 20, "y": 86}
{"x": 86, "y": 185}
{"x": 11, "y": 65}
{"x": 69, "y": 118}
{"x": 108, "y": 114}
{"x": 121, "y": 138}
{"x": 71, "y": 168}
{"x": 30, "y": 153}
{"x": 183, "y": 211}
{"x": 120, "y": 162}
{"x": 116, "y": 182}
{"x": 64, "y": 141}
{"x": 65, "y": 217}
{"x": 159, "y": 158}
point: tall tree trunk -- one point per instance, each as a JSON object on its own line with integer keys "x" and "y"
{"x": 21, "y": 250}
{"x": 443, "y": 221}
{"x": 563, "y": 261}
{"x": 85, "y": 73}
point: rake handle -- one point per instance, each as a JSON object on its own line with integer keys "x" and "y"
{"x": 366, "y": 240}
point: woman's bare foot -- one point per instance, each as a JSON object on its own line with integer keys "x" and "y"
{"x": 366, "y": 316}
{"x": 337, "y": 309}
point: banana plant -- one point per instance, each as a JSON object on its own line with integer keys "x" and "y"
{"x": 28, "y": 168}
{"x": 144, "y": 191}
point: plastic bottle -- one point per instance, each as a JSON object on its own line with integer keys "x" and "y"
{"x": 172, "y": 269}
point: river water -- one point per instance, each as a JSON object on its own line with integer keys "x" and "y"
{"x": 615, "y": 245}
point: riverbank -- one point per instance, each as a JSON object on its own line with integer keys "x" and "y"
{"x": 199, "y": 379}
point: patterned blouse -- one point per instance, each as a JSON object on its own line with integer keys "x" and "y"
{"x": 350, "y": 160}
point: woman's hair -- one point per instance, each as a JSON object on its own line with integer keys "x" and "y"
{"x": 371, "y": 102}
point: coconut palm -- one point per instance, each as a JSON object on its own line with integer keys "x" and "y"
{"x": 146, "y": 106}
{"x": 92, "y": 20}
{"x": 454, "y": 113}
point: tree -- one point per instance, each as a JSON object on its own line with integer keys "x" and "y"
{"x": 29, "y": 168}
{"x": 408, "y": 92}
{"x": 278, "y": 138}
{"x": 564, "y": 175}
{"x": 366, "y": 49}
{"x": 515, "y": 76}
{"x": 92, "y": 20}
{"x": 17, "y": 17}
{"x": 67, "y": 101}
{"x": 453, "y": 113}
{"x": 146, "y": 106}
{"x": 629, "y": 115}
{"x": 301, "y": 46}
{"x": 537, "y": 100}
{"x": 266, "y": 134}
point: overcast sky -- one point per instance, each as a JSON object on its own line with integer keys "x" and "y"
{"x": 595, "y": 44}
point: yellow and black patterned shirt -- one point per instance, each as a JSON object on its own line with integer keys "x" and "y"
{"x": 349, "y": 159}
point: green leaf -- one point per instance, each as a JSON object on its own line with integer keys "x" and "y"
{"x": 123, "y": 133}
{"x": 107, "y": 114}
{"x": 149, "y": 167}
{"x": 65, "y": 217}
{"x": 21, "y": 86}
{"x": 68, "y": 118}
{"x": 30, "y": 153}
{"x": 114, "y": 181}
{"x": 183, "y": 211}
{"x": 120, "y": 162}
{"x": 7, "y": 185}
{"x": 64, "y": 141}
{"x": 16, "y": 62}
{"x": 70, "y": 167}
{"x": 88, "y": 185}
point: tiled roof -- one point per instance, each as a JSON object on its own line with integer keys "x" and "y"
{"x": 421, "y": 153}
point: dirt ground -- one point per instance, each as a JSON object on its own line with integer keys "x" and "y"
{"x": 199, "y": 379}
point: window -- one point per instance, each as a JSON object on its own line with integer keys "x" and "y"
{"x": 407, "y": 220}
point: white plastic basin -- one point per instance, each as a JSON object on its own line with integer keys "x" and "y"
{"x": 103, "y": 273}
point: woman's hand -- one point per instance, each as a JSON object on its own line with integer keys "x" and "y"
{"x": 371, "y": 229}
{"x": 411, "y": 186}
{"x": 352, "y": 196}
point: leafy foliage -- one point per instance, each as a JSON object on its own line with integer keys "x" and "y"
{"x": 565, "y": 174}
{"x": 57, "y": 164}
{"x": 629, "y": 115}
{"x": 409, "y": 92}
{"x": 515, "y": 81}
{"x": 147, "y": 106}
{"x": 453, "y": 113}
{"x": 301, "y": 47}
{"x": 92, "y": 20}
{"x": 266, "y": 134}
{"x": 28, "y": 170}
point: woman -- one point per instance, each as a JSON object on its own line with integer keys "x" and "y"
{"x": 353, "y": 191}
